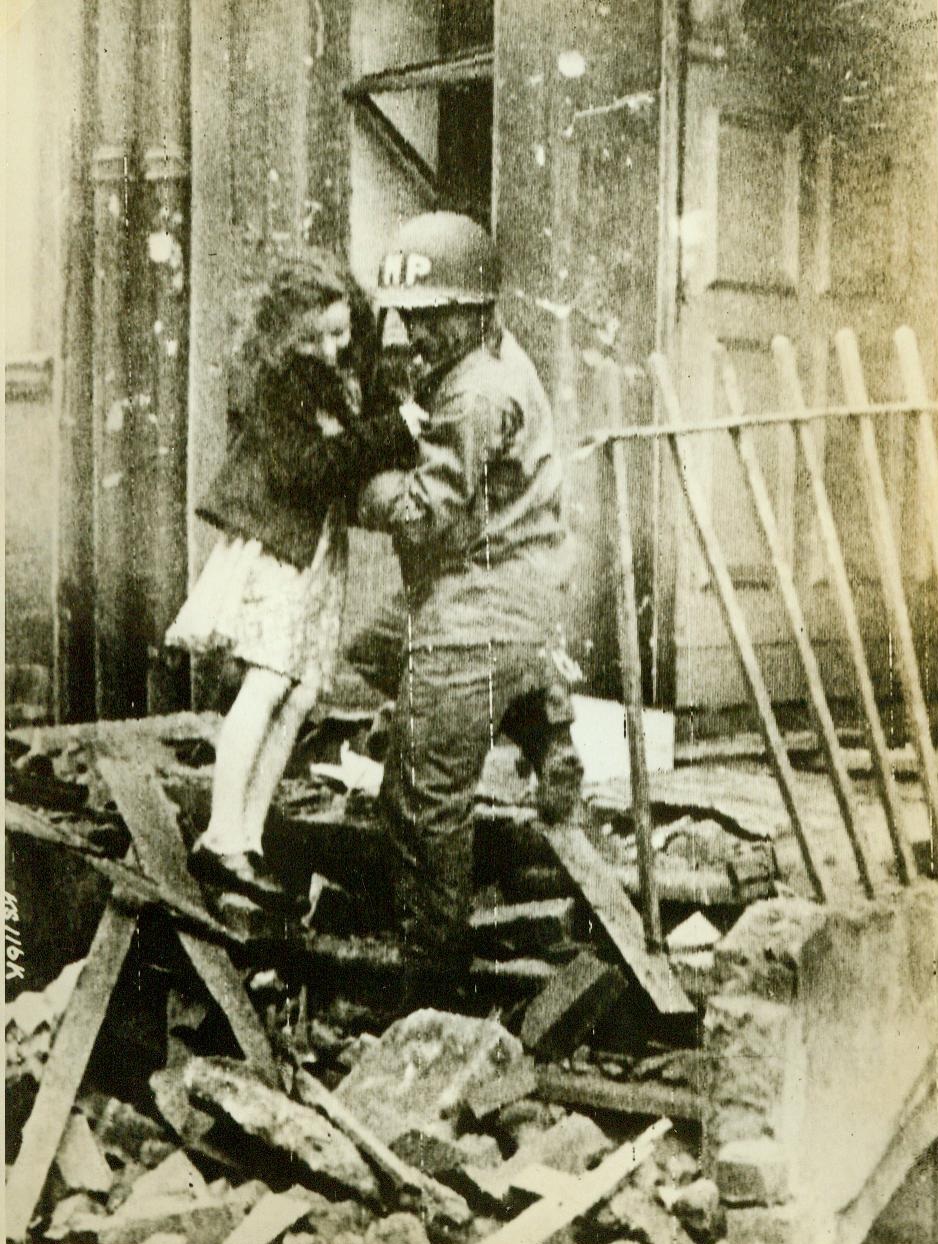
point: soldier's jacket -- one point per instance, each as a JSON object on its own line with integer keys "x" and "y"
{"x": 477, "y": 522}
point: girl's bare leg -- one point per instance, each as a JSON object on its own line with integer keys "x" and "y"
{"x": 273, "y": 757}
{"x": 241, "y": 742}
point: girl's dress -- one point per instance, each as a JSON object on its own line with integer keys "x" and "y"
{"x": 272, "y": 591}
{"x": 268, "y": 613}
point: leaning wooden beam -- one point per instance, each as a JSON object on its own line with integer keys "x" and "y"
{"x": 736, "y": 625}
{"x": 550, "y": 1215}
{"x": 63, "y": 1072}
{"x": 630, "y": 663}
{"x": 601, "y": 887}
{"x": 844, "y": 792}
{"x": 887, "y": 555}
{"x": 132, "y": 888}
{"x": 913, "y": 377}
{"x": 880, "y": 758}
{"x": 151, "y": 820}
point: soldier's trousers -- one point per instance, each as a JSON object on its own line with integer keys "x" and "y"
{"x": 452, "y": 702}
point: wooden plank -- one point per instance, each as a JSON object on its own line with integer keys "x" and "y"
{"x": 887, "y": 556}
{"x": 736, "y": 625}
{"x": 747, "y": 451}
{"x": 599, "y": 884}
{"x": 913, "y": 378}
{"x": 166, "y": 106}
{"x": 880, "y": 758}
{"x": 63, "y": 1072}
{"x": 630, "y": 664}
{"x": 311, "y": 1093}
{"x": 573, "y": 1088}
{"x": 550, "y": 1215}
{"x": 531, "y": 926}
{"x": 151, "y": 820}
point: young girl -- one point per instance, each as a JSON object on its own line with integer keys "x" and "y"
{"x": 273, "y": 589}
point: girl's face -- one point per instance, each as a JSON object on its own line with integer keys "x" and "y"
{"x": 325, "y": 333}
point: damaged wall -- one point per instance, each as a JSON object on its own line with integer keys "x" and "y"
{"x": 819, "y": 1047}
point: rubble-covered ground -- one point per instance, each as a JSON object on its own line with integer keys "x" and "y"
{"x": 440, "y": 1110}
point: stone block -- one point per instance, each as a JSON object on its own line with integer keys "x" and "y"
{"x": 423, "y": 1070}
{"x": 566, "y": 1009}
{"x": 634, "y": 1214}
{"x": 697, "y": 1206}
{"x": 315, "y": 1148}
{"x": 762, "y": 952}
{"x": 518, "y": 1080}
{"x": 752, "y": 1172}
{"x": 436, "y": 1155}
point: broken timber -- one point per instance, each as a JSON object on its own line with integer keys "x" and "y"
{"x": 600, "y": 885}
{"x": 575, "y": 1088}
{"x": 573, "y": 1198}
{"x": 151, "y": 821}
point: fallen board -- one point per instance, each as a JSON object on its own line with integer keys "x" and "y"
{"x": 550, "y": 1215}
{"x": 599, "y": 883}
{"x": 574, "y": 1088}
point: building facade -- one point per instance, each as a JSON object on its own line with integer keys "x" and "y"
{"x": 657, "y": 175}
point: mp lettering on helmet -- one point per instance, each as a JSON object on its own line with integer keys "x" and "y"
{"x": 400, "y": 269}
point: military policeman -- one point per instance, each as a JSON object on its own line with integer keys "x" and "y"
{"x": 470, "y": 649}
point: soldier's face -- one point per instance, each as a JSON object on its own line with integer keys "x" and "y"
{"x": 425, "y": 334}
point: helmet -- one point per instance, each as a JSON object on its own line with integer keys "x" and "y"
{"x": 439, "y": 259}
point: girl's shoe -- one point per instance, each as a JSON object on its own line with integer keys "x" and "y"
{"x": 243, "y": 872}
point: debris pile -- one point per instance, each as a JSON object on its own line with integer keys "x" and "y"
{"x": 409, "y": 1149}
{"x": 365, "y": 1104}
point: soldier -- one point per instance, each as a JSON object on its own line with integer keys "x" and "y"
{"x": 471, "y": 649}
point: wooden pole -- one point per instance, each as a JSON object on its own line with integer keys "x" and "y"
{"x": 736, "y": 624}
{"x": 887, "y": 556}
{"x": 630, "y": 662}
{"x": 844, "y": 792}
{"x": 790, "y": 385}
{"x": 913, "y": 377}
{"x": 166, "y": 175}
{"x": 113, "y": 447}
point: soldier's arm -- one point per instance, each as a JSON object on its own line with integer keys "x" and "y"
{"x": 433, "y": 500}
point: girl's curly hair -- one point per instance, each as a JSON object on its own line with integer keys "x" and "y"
{"x": 298, "y": 281}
